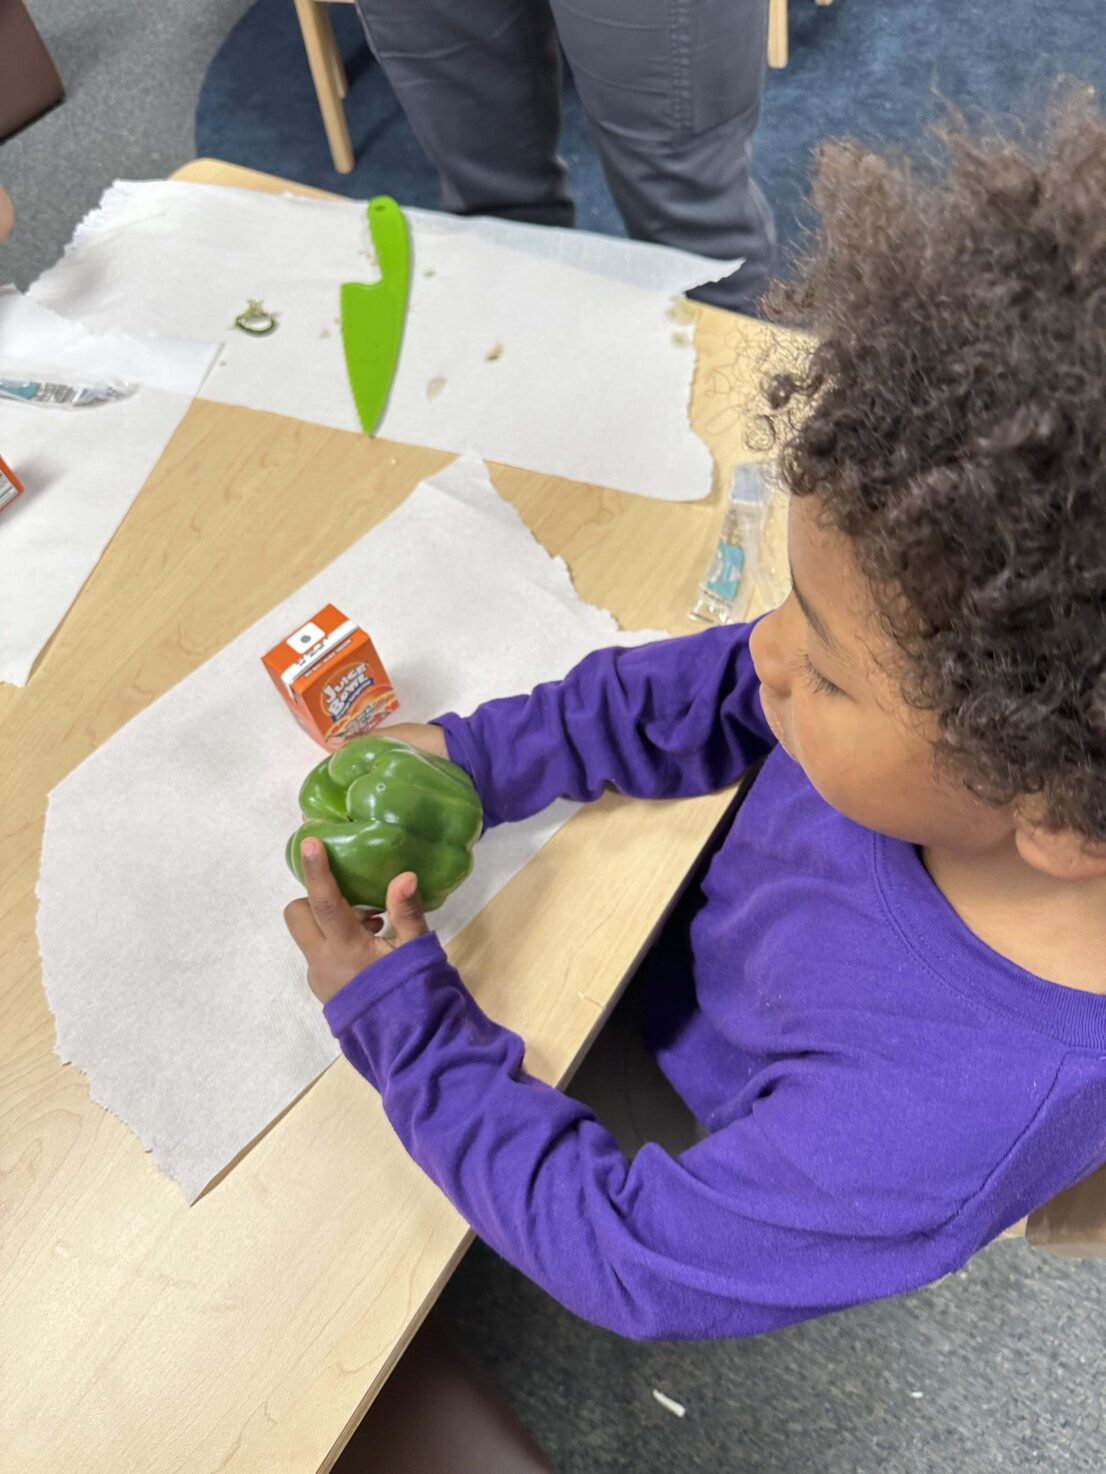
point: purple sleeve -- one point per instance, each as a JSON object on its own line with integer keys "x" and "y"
{"x": 667, "y": 720}
{"x": 747, "y": 1232}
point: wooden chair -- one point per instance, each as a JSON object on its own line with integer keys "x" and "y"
{"x": 331, "y": 86}
{"x": 329, "y": 77}
{"x": 777, "y": 31}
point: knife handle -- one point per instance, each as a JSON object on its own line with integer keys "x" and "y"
{"x": 390, "y": 241}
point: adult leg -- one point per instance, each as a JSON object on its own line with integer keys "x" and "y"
{"x": 672, "y": 90}
{"x": 480, "y": 83}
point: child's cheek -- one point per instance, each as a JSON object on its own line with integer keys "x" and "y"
{"x": 830, "y": 755}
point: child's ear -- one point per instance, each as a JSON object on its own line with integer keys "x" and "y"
{"x": 1061, "y": 853}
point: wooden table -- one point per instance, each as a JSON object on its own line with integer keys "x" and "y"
{"x": 250, "y": 1331}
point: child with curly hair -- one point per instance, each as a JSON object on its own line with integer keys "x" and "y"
{"x": 884, "y": 999}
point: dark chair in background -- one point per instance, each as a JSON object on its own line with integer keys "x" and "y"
{"x": 438, "y": 1414}
{"x": 29, "y": 81}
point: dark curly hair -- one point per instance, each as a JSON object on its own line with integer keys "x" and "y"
{"x": 950, "y": 416}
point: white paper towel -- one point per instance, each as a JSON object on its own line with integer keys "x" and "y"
{"x": 33, "y": 338}
{"x": 633, "y": 263}
{"x": 546, "y": 349}
{"x": 164, "y": 955}
{"x": 82, "y": 469}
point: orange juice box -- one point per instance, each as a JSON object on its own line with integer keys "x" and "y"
{"x": 329, "y": 673}
{"x": 10, "y": 485}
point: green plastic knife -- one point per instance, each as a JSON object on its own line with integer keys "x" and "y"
{"x": 373, "y": 314}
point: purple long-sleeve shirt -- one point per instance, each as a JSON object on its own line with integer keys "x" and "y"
{"x": 883, "y": 1092}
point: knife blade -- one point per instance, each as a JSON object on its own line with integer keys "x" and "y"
{"x": 373, "y": 314}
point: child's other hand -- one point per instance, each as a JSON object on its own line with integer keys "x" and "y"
{"x": 337, "y": 941}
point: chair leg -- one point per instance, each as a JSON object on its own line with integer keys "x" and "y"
{"x": 317, "y": 33}
{"x": 777, "y": 33}
{"x": 334, "y": 56}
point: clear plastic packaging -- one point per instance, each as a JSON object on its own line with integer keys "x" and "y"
{"x": 53, "y": 393}
{"x": 743, "y": 564}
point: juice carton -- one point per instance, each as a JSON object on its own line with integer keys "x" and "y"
{"x": 10, "y": 485}
{"x": 330, "y": 675}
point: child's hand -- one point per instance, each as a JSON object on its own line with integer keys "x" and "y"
{"x": 423, "y": 735}
{"x": 338, "y": 941}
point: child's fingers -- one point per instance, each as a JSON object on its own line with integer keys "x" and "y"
{"x": 302, "y": 925}
{"x": 405, "y": 907}
{"x": 332, "y": 912}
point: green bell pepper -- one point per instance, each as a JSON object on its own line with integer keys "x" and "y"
{"x": 382, "y": 807}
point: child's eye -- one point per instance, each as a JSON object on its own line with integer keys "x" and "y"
{"x": 817, "y": 681}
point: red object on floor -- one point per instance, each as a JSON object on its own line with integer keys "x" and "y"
{"x": 438, "y": 1414}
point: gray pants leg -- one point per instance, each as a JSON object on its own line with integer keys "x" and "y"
{"x": 480, "y": 83}
{"x": 672, "y": 90}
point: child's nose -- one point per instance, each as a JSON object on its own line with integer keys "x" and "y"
{"x": 767, "y": 646}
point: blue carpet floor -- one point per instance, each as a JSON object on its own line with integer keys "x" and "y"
{"x": 869, "y": 68}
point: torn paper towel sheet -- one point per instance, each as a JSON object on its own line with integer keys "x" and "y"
{"x": 165, "y": 960}
{"x": 545, "y": 349}
{"x": 82, "y": 469}
{"x": 633, "y": 263}
{"x": 35, "y": 339}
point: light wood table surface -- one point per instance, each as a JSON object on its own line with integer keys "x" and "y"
{"x": 249, "y": 1332}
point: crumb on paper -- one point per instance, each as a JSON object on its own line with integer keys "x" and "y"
{"x": 669, "y": 1403}
{"x": 681, "y": 340}
{"x": 494, "y": 353}
{"x": 435, "y": 387}
{"x": 681, "y": 310}
{"x": 325, "y": 333}
{"x": 430, "y": 272}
